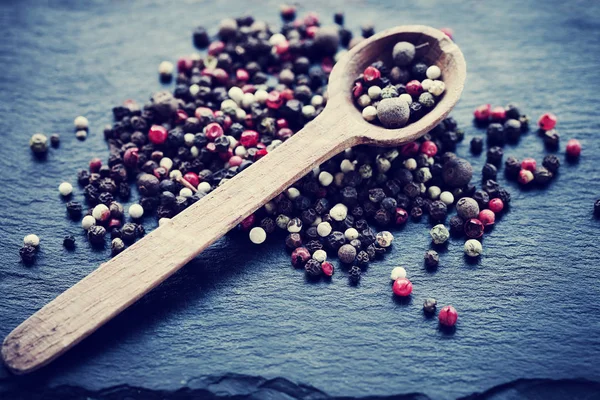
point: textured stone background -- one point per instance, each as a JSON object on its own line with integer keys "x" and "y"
{"x": 528, "y": 309}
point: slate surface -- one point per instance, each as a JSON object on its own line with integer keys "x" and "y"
{"x": 239, "y": 317}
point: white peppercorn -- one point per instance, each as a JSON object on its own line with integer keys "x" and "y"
{"x": 81, "y": 123}
{"x": 433, "y": 72}
{"x": 136, "y": 211}
{"x": 87, "y": 222}
{"x": 38, "y": 143}
{"x": 447, "y": 198}
{"x": 31, "y": 240}
{"x": 320, "y": 255}
{"x": 406, "y": 97}
{"x": 101, "y": 212}
{"x": 257, "y": 235}
{"x": 473, "y": 248}
{"x": 186, "y": 192}
{"x": 346, "y": 166}
{"x": 437, "y": 88}
{"x": 339, "y": 212}
{"x": 434, "y": 192}
{"x": 369, "y": 113}
{"x": 397, "y": 273}
{"x": 351, "y": 234}
{"x": 324, "y": 229}
{"x": 384, "y": 239}
{"x": 65, "y": 189}
{"x": 374, "y": 92}
{"x": 204, "y": 187}
{"x": 325, "y": 178}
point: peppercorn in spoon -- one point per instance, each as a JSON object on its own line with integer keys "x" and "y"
{"x": 118, "y": 283}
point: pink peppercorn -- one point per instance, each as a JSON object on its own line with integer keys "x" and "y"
{"x": 414, "y": 88}
{"x": 448, "y": 316}
{"x": 357, "y": 90}
{"x": 311, "y": 19}
{"x": 114, "y": 223}
{"x": 371, "y": 74}
{"x": 402, "y": 287}
{"x": 474, "y": 228}
{"x": 287, "y": 94}
{"x": 181, "y": 116}
{"x": 235, "y": 161}
{"x": 249, "y": 138}
{"x": 300, "y": 256}
{"x": 401, "y": 216}
{"x": 573, "y": 148}
{"x": 487, "y": 217}
{"x": 311, "y": 31}
{"x": 260, "y": 154}
{"x": 429, "y": 148}
{"x": 157, "y": 134}
{"x": 529, "y": 164}
{"x": 215, "y": 48}
{"x": 284, "y": 133}
{"x": 410, "y": 149}
{"x": 242, "y": 75}
{"x": 184, "y": 64}
{"x": 213, "y": 131}
{"x": 327, "y": 268}
{"x": 248, "y": 222}
{"x": 225, "y": 156}
{"x": 274, "y": 100}
{"x": 192, "y": 178}
{"x": 498, "y": 114}
{"x": 448, "y": 32}
{"x": 283, "y": 47}
{"x": 496, "y": 205}
{"x": 525, "y": 176}
{"x": 327, "y": 65}
{"x": 482, "y": 113}
{"x": 281, "y": 123}
{"x": 131, "y": 157}
{"x": 95, "y": 164}
{"x": 547, "y": 121}
{"x": 220, "y": 75}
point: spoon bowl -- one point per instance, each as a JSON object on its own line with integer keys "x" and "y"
{"x": 119, "y": 282}
{"x": 439, "y": 50}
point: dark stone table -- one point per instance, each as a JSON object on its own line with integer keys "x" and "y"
{"x": 239, "y": 321}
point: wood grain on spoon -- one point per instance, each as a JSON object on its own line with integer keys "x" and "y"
{"x": 118, "y": 283}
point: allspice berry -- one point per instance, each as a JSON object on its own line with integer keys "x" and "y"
{"x": 467, "y": 208}
{"x": 347, "y": 253}
{"x": 393, "y": 113}
{"x": 457, "y": 172}
{"x": 327, "y": 39}
{"x": 148, "y": 185}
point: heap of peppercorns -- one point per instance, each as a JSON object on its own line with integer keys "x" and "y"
{"x": 401, "y": 94}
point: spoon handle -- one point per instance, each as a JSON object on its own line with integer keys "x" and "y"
{"x": 118, "y": 283}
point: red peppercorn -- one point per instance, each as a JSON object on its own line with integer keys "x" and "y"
{"x": 192, "y": 178}
{"x": 249, "y": 138}
{"x": 573, "y": 148}
{"x": 327, "y": 65}
{"x": 448, "y": 316}
{"x": 525, "y": 176}
{"x": 211, "y": 147}
{"x": 248, "y": 222}
{"x": 402, "y": 287}
{"x": 482, "y": 113}
{"x": 215, "y": 48}
{"x": 235, "y": 161}
{"x": 184, "y": 64}
{"x": 414, "y": 88}
{"x": 311, "y": 19}
{"x": 448, "y": 32}
{"x": 249, "y": 121}
{"x": 181, "y": 116}
{"x": 242, "y": 75}
{"x": 131, "y": 157}
{"x": 529, "y": 164}
{"x": 498, "y": 114}
{"x": 474, "y": 228}
{"x": 547, "y": 121}
{"x": 401, "y": 216}
{"x": 157, "y": 134}
{"x": 261, "y": 146}
{"x": 410, "y": 149}
{"x": 274, "y": 100}
{"x": 327, "y": 268}
{"x": 371, "y": 74}
{"x": 357, "y": 90}
{"x": 429, "y": 148}
{"x": 213, "y": 131}
{"x": 114, "y": 223}
{"x": 287, "y": 94}
{"x": 95, "y": 164}
{"x": 300, "y": 256}
{"x": 260, "y": 154}
{"x": 283, "y": 47}
{"x": 487, "y": 217}
{"x": 225, "y": 156}
{"x": 496, "y": 205}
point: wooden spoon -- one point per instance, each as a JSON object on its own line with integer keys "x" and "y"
{"x": 118, "y": 283}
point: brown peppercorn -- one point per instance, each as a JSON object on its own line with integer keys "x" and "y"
{"x": 347, "y": 254}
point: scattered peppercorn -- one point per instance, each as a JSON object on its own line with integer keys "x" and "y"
{"x": 39, "y": 143}
{"x": 473, "y": 248}
{"x": 431, "y": 258}
{"x": 474, "y": 228}
{"x": 69, "y": 242}
{"x": 96, "y": 235}
{"x": 448, "y": 316}
{"x": 429, "y": 305}
{"x": 27, "y": 254}
{"x": 402, "y": 287}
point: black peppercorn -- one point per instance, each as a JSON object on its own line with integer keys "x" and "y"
{"x": 27, "y": 254}
{"x": 512, "y": 166}
{"x": 416, "y": 212}
{"x": 512, "y": 111}
{"x": 456, "y": 224}
{"x": 482, "y": 198}
{"x": 489, "y": 171}
{"x": 83, "y": 177}
{"x": 268, "y": 224}
{"x": 552, "y": 163}
{"x": 128, "y": 232}
{"x": 512, "y": 130}
{"x": 495, "y": 134}
{"x": 542, "y": 175}
{"x": 69, "y": 242}
{"x": 367, "y": 237}
{"x": 96, "y": 234}
{"x": 356, "y": 243}
{"x": 74, "y": 209}
{"x": 382, "y": 217}
{"x": 314, "y": 245}
{"x": 354, "y": 274}
{"x": 494, "y": 155}
{"x": 140, "y": 231}
{"x": 412, "y": 189}
{"x": 438, "y": 210}
{"x": 312, "y": 233}
{"x": 362, "y": 259}
{"x": 335, "y": 240}
{"x": 503, "y": 195}
{"x": 313, "y": 268}
{"x": 293, "y": 241}
{"x": 432, "y": 258}
{"x": 597, "y": 208}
